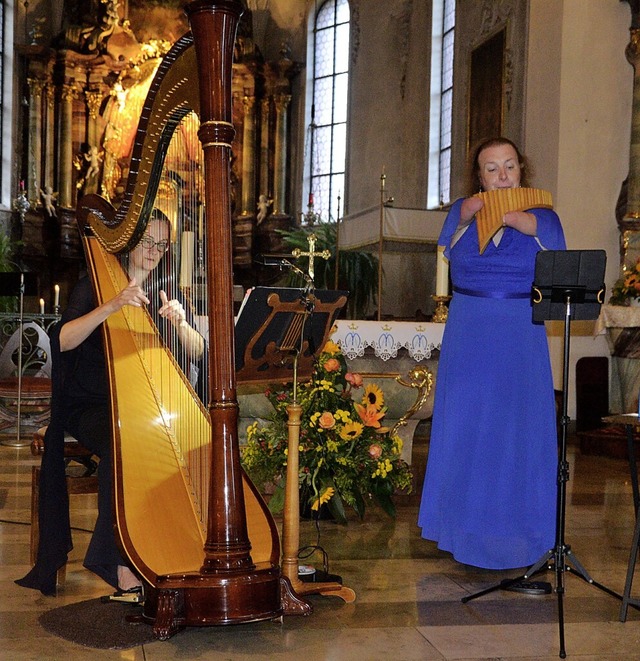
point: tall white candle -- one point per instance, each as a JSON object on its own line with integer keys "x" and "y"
{"x": 442, "y": 273}
{"x": 186, "y": 259}
{"x": 42, "y": 306}
{"x": 56, "y": 295}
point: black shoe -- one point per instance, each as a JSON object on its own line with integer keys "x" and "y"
{"x": 527, "y": 587}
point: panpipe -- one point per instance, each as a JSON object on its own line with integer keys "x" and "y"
{"x": 501, "y": 200}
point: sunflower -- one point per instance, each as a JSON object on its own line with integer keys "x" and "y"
{"x": 351, "y": 431}
{"x": 373, "y": 396}
{"x": 324, "y": 497}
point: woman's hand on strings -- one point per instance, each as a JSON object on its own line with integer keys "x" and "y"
{"x": 172, "y": 310}
{"x": 132, "y": 294}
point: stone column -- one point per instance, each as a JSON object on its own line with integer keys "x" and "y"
{"x": 280, "y": 154}
{"x": 94, "y": 99}
{"x": 50, "y": 134}
{"x": 248, "y": 157}
{"x": 264, "y": 147}
{"x": 65, "y": 185}
{"x": 34, "y": 159}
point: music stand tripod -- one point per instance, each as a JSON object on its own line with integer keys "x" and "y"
{"x": 568, "y": 285}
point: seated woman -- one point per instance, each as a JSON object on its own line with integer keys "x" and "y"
{"x": 83, "y": 407}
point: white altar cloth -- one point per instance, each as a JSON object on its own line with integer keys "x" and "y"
{"x": 420, "y": 339}
{"x": 404, "y": 225}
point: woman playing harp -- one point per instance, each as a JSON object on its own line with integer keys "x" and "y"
{"x": 489, "y": 494}
{"x": 83, "y": 404}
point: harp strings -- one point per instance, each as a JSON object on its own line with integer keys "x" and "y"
{"x": 178, "y": 222}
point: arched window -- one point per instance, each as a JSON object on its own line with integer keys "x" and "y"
{"x": 326, "y": 141}
{"x": 444, "y": 21}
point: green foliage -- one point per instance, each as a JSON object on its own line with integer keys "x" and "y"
{"x": 358, "y": 272}
{"x": 346, "y": 457}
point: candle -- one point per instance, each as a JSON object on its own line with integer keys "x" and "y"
{"x": 442, "y": 273}
{"x": 42, "y": 306}
{"x": 186, "y": 259}
{"x": 56, "y": 296}
{"x": 310, "y": 199}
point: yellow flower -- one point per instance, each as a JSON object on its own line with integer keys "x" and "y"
{"x": 331, "y": 348}
{"x": 324, "y": 497}
{"x": 373, "y": 396}
{"x": 351, "y": 430}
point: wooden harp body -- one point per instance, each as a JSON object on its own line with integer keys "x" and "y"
{"x": 188, "y": 518}
{"x": 500, "y": 201}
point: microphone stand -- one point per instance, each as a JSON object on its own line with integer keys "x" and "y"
{"x": 293, "y": 588}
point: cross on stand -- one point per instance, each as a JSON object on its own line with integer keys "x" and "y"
{"x": 312, "y": 254}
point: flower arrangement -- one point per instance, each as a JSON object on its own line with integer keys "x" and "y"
{"x": 627, "y": 286}
{"x": 346, "y": 456}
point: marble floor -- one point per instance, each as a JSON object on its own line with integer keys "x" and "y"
{"x": 408, "y": 593}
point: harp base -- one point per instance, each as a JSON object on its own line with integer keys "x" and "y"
{"x": 197, "y": 600}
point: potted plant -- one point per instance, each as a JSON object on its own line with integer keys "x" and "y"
{"x": 347, "y": 458}
{"x": 626, "y": 290}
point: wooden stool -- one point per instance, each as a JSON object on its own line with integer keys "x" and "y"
{"x": 85, "y": 483}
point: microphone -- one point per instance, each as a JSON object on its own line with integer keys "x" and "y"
{"x": 271, "y": 261}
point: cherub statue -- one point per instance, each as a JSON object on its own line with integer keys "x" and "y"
{"x": 93, "y": 158}
{"x": 48, "y": 199}
{"x": 263, "y": 208}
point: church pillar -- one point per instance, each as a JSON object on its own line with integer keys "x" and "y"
{"x": 49, "y": 157}
{"x": 34, "y": 160}
{"x": 633, "y": 196}
{"x": 280, "y": 154}
{"x": 94, "y": 99}
{"x": 65, "y": 186}
{"x": 265, "y": 114}
{"x": 248, "y": 157}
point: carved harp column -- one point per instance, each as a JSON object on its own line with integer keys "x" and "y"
{"x": 227, "y": 546}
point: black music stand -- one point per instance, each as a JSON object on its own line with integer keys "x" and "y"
{"x": 568, "y": 284}
{"x": 268, "y": 329}
{"x": 19, "y": 284}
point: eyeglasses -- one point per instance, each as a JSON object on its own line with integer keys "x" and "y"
{"x": 148, "y": 243}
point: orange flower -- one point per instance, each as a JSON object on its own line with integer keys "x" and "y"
{"x": 332, "y": 365}
{"x": 375, "y": 451}
{"x": 369, "y": 415}
{"x": 326, "y": 420}
{"x": 354, "y": 379}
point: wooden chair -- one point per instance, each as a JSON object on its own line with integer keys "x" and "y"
{"x": 81, "y": 479}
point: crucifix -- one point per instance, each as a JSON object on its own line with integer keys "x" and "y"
{"x": 312, "y": 254}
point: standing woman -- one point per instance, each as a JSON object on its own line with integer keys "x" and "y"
{"x": 490, "y": 488}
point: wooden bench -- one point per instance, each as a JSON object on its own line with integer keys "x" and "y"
{"x": 81, "y": 479}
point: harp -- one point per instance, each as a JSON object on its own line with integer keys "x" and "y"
{"x": 188, "y": 518}
{"x": 500, "y": 201}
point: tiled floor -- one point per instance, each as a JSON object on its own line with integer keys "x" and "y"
{"x": 408, "y": 593}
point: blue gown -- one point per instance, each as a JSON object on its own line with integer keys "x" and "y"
{"x": 490, "y": 488}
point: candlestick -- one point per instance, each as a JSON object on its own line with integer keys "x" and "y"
{"x": 42, "y": 306}
{"x": 442, "y": 273}
{"x": 56, "y": 296}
